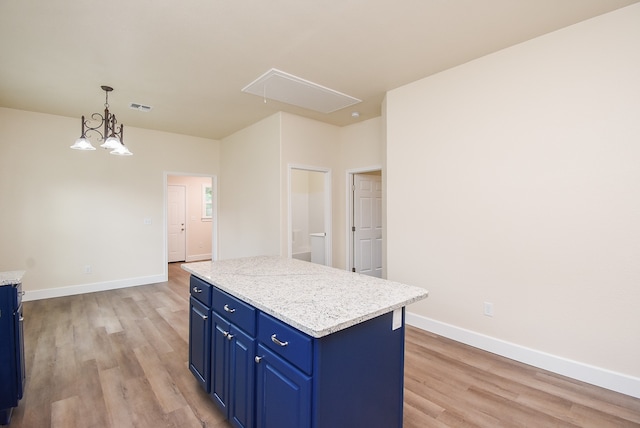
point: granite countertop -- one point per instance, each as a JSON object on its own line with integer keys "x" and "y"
{"x": 315, "y": 299}
{"x": 11, "y": 277}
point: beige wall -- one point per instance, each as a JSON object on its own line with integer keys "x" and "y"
{"x": 306, "y": 142}
{"x": 255, "y": 177}
{"x": 63, "y": 210}
{"x": 514, "y": 179}
{"x": 249, "y": 205}
{"x": 199, "y": 233}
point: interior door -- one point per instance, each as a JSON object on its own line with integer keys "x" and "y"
{"x": 367, "y": 219}
{"x": 176, "y": 236}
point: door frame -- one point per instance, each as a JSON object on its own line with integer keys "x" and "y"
{"x": 350, "y": 212}
{"x": 328, "y": 224}
{"x": 214, "y": 225}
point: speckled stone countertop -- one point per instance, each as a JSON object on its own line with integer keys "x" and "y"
{"x": 11, "y": 277}
{"x": 315, "y": 299}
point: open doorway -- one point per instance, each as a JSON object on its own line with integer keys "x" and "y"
{"x": 190, "y": 217}
{"x": 365, "y": 234}
{"x": 310, "y": 214}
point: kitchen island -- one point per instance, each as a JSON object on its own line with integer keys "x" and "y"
{"x": 281, "y": 343}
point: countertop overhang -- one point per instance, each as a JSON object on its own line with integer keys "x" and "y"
{"x": 317, "y": 300}
{"x": 11, "y": 277}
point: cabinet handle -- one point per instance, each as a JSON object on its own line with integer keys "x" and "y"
{"x": 225, "y": 333}
{"x": 229, "y": 336}
{"x": 228, "y": 309}
{"x": 275, "y": 340}
{"x": 204, "y": 317}
{"x": 197, "y": 290}
{"x": 257, "y": 359}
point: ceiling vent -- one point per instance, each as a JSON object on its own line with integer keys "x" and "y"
{"x": 139, "y": 107}
{"x": 287, "y": 88}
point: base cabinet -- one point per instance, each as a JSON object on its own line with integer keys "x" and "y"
{"x": 199, "y": 342}
{"x": 266, "y": 374}
{"x": 233, "y": 372}
{"x": 283, "y": 398}
{"x": 12, "y": 367}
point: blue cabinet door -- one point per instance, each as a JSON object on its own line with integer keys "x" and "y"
{"x": 220, "y": 361}
{"x": 283, "y": 393}
{"x": 199, "y": 342}
{"x": 242, "y": 381}
{"x": 233, "y": 371}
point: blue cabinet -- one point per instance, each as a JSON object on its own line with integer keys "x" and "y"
{"x": 12, "y": 368}
{"x": 200, "y": 331}
{"x": 199, "y": 347}
{"x": 266, "y": 374}
{"x": 283, "y": 398}
{"x": 232, "y": 358}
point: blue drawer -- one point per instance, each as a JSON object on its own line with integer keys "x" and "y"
{"x": 287, "y": 342}
{"x": 200, "y": 290}
{"x": 234, "y": 310}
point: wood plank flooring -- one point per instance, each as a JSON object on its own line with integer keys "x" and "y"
{"x": 118, "y": 359}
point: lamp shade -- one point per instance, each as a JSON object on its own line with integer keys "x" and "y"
{"x": 82, "y": 144}
{"x": 111, "y": 143}
{"x": 121, "y": 151}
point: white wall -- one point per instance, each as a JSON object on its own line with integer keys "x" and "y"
{"x": 250, "y": 191}
{"x": 62, "y": 209}
{"x": 514, "y": 179}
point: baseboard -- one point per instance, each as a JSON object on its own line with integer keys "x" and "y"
{"x": 604, "y": 378}
{"x": 91, "y": 288}
{"x": 198, "y": 257}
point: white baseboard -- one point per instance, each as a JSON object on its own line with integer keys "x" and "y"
{"x": 604, "y": 378}
{"x": 91, "y": 288}
{"x": 198, "y": 257}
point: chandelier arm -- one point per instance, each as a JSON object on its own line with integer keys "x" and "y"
{"x": 87, "y": 128}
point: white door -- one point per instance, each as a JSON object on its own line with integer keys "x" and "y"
{"x": 176, "y": 236}
{"x": 367, "y": 223}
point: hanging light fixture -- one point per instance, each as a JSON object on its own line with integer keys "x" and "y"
{"x": 111, "y": 135}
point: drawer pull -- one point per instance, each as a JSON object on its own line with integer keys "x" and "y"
{"x": 204, "y": 317}
{"x": 230, "y": 336}
{"x": 228, "y": 309}
{"x": 197, "y": 290}
{"x": 257, "y": 359}
{"x": 275, "y": 340}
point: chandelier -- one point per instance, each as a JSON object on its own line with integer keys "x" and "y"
{"x": 111, "y": 135}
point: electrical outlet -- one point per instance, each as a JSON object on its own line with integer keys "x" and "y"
{"x": 488, "y": 309}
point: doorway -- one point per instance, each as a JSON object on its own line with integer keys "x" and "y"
{"x": 190, "y": 217}
{"x": 365, "y": 254}
{"x": 310, "y": 214}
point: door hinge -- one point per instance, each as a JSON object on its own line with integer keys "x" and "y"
{"x": 353, "y": 269}
{"x": 353, "y": 228}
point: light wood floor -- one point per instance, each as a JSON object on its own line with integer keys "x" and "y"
{"x": 119, "y": 359}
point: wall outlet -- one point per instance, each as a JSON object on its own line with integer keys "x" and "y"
{"x": 488, "y": 309}
{"x": 87, "y": 269}
{"x": 147, "y": 221}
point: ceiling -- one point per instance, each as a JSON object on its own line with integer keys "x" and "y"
{"x": 189, "y": 60}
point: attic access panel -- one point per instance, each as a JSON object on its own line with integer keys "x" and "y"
{"x": 287, "y": 88}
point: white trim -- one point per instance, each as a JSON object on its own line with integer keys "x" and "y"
{"x": 198, "y": 257}
{"x": 92, "y": 287}
{"x": 598, "y": 376}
